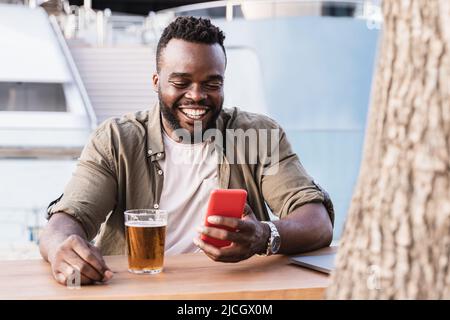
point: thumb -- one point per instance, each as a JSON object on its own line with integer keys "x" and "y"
{"x": 247, "y": 210}
{"x": 248, "y": 214}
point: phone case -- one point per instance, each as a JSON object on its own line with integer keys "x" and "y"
{"x": 227, "y": 203}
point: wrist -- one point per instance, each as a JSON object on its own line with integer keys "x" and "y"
{"x": 264, "y": 239}
{"x": 274, "y": 241}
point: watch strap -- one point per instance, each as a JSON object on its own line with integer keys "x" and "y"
{"x": 273, "y": 233}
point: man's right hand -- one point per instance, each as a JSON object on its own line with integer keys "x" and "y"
{"x": 76, "y": 254}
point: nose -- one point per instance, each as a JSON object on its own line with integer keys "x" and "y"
{"x": 196, "y": 93}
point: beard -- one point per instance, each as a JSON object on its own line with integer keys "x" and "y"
{"x": 169, "y": 113}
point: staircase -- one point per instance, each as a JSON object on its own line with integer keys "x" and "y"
{"x": 118, "y": 80}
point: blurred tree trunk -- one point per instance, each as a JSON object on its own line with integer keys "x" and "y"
{"x": 396, "y": 242}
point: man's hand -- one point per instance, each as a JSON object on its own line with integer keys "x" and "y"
{"x": 77, "y": 254}
{"x": 250, "y": 238}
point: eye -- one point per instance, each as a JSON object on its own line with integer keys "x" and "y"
{"x": 179, "y": 84}
{"x": 213, "y": 85}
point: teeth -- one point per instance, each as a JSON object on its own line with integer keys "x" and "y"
{"x": 194, "y": 113}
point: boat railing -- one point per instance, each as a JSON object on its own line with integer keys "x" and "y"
{"x": 74, "y": 71}
{"x": 146, "y": 29}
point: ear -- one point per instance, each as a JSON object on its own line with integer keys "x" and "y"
{"x": 155, "y": 82}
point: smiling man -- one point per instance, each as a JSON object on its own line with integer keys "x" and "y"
{"x": 152, "y": 159}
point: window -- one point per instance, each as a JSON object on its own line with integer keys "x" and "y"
{"x": 20, "y": 96}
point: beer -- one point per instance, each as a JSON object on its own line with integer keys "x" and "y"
{"x": 145, "y": 245}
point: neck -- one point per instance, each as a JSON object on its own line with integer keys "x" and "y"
{"x": 169, "y": 130}
{"x": 192, "y": 137}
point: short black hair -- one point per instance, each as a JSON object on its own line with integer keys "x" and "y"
{"x": 192, "y": 29}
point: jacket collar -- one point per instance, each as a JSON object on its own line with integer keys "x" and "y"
{"x": 155, "y": 145}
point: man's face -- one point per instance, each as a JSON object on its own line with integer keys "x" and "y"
{"x": 190, "y": 84}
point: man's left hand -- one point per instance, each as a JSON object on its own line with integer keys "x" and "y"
{"x": 249, "y": 238}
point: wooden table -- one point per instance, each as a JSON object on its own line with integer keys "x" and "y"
{"x": 187, "y": 276}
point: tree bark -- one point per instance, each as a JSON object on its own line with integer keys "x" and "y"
{"x": 396, "y": 241}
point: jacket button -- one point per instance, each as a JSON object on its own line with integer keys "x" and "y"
{"x": 160, "y": 172}
{"x": 149, "y": 152}
{"x": 158, "y": 154}
{"x": 156, "y": 206}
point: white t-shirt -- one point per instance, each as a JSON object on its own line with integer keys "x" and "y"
{"x": 190, "y": 174}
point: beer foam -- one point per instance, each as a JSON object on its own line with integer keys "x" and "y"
{"x": 145, "y": 224}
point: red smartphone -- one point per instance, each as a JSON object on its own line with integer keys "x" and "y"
{"x": 226, "y": 203}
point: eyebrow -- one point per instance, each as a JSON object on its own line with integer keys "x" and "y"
{"x": 188, "y": 75}
{"x": 179, "y": 74}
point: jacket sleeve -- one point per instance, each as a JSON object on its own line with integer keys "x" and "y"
{"x": 285, "y": 184}
{"x": 91, "y": 193}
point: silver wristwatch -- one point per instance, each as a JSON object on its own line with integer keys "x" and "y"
{"x": 273, "y": 245}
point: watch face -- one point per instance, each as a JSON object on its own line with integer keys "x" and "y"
{"x": 276, "y": 244}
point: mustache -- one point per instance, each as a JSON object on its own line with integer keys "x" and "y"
{"x": 192, "y": 104}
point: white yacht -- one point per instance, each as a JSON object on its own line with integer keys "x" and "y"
{"x": 307, "y": 64}
{"x": 45, "y": 120}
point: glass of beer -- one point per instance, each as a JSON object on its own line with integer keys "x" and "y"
{"x": 145, "y": 231}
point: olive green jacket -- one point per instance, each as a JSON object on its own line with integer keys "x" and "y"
{"x": 118, "y": 170}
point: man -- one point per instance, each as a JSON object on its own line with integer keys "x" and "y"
{"x": 144, "y": 160}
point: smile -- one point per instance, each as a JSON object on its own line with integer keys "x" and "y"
{"x": 194, "y": 114}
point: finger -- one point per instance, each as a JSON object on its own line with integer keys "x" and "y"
{"x": 63, "y": 271}
{"x": 225, "y": 254}
{"x": 97, "y": 253}
{"x": 66, "y": 275}
{"x": 87, "y": 254}
{"x": 207, "y": 248}
{"x": 222, "y": 234}
{"x": 108, "y": 273}
{"x": 83, "y": 266}
{"x": 250, "y": 217}
{"x": 235, "y": 223}
{"x": 234, "y": 252}
{"x": 60, "y": 277}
